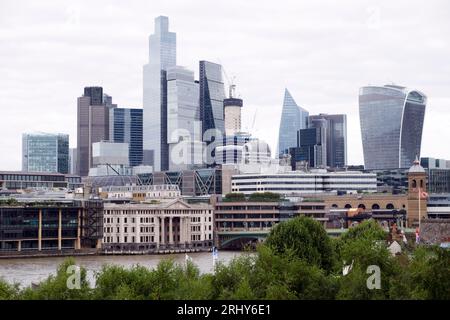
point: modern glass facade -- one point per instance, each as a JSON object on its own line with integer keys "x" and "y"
{"x": 162, "y": 55}
{"x": 183, "y": 109}
{"x": 293, "y": 118}
{"x": 336, "y": 137}
{"x": 212, "y": 94}
{"x": 125, "y": 125}
{"x": 45, "y": 152}
{"x": 311, "y": 149}
{"x": 391, "y": 119}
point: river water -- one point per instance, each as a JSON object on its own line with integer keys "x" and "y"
{"x": 33, "y": 270}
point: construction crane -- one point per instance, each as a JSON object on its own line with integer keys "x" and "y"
{"x": 230, "y": 82}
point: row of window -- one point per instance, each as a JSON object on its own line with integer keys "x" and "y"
{"x": 157, "y": 212}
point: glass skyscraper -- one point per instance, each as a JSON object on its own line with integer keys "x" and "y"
{"x": 183, "y": 110}
{"x": 212, "y": 94}
{"x": 293, "y": 118}
{"x": 162, "y": 55}
{"x": 184, "y": 134}
{"x": 125, "y": 125}
{"x": 45, "y": 152}
{"x": 336, "y": 137}
{"x": 391, "y": 125}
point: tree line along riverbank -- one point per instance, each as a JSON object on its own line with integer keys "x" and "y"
{"x": 297, "y": 261}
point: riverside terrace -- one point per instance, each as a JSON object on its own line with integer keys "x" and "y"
{"x": 49, "y": 227}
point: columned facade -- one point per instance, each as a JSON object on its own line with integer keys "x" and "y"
{"x": 170, "y": 225}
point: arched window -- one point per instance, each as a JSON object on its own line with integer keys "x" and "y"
{"x": 390, "y": 206}
{"x": 334, "y": 205}
{"x": 362, "y": 206}
{"x": 414, "y": 183}
{"x": 347, "y": 206}
{"x": 421, "y": 183}
{"x": 375, "y": 206}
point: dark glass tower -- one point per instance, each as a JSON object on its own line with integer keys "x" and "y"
{"x": 126, "y": 126}
{"x": 311, "y": 147}
{"x": 391, "y": 125}
{"x": 212, "y": 94}
{"x": 336, "y": 137}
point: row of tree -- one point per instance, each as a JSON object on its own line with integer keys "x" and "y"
{"x": 298, "y": 261}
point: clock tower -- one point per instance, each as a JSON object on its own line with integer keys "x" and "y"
{"x": 417, "y": 194}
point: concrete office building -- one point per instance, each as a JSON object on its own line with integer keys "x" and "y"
{"x": 293, "y": 118}
{"x": 20, "y": 180}
{"x": 162, "y": 55}
{"x": 298, "y": 183}
{"x": 438, "y": 206}
{"x": 110, "y": 158}
{"x": 391, "y": 125}
{"x": 152, "y": 227}
{"x": 125, "y": 125}
{"x": 92, "y": 125}
{"x": 45, "y": 152}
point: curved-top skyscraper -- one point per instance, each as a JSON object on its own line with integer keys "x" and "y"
{"x": 391, "y": 119}
{"x": 293, "y": 118}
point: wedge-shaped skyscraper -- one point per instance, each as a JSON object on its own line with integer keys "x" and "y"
{"x": 391, "y": 125}
{"x": 293, "y": 118}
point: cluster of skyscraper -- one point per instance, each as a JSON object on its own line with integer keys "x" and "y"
{"x": 182, "y": 116}
{"x": 312, "y": 141}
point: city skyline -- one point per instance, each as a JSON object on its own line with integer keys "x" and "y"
{"x": 44, "y": 75}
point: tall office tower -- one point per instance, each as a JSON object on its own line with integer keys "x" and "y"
{"x": 212, "y": 94}
{"x": 183, "y": 120}
{"x": 162, "y": 55}
{"x": 232, "y": 108}
{"x": 45, "y": 152}
{"x": 391, "y": 125}
{"x": 293, "y": 118}
{"x": 73, "y": 161}
{"x": 92, "y": 125}
{"x": 311, "y": 147}
{"x": 336, "y": 137}
{"x": 125, "y": 125}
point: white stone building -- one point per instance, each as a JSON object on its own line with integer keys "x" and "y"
{"x": 141, "y": 192}
{"x": 150, "y": 227}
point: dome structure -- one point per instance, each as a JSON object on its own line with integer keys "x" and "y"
{"x": 416, "y": 167}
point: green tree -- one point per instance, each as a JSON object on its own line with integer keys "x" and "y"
{"x": 430, "y": 273}
{"x": 306, "y": 238}
{"x": 58, "y": 287}
{"x": 8, "y": 291}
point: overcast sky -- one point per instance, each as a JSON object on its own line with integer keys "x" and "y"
{"x": 322, "y": 51}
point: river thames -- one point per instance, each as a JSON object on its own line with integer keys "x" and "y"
{"x": 33, "y": 270}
